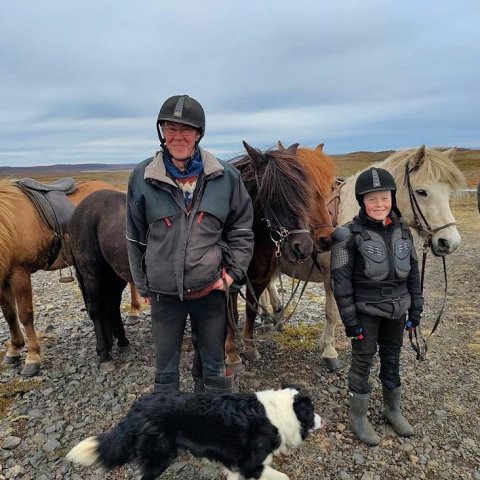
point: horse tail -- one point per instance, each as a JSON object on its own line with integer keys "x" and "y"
{"x": 110, "y": 450}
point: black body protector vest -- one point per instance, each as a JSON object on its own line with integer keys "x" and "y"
{"x": 376, "y": 253}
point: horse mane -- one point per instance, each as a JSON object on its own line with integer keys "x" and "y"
{"x": 320, "y": 170}
{"x": 436, "y": 167}
{"x": 9, "y": 197}
{"x": 283, "y": 181}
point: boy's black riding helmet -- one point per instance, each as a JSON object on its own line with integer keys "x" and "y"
{"x": 182, "y": 109}
{"x": 375, "y": 180}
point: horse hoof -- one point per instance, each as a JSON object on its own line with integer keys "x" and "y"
{"x": 251, "y": 355}
{"x": 107, "y": 367}
{"x": 11, "y": 361}
{"x": 132, "y": 320}
{"x": 30, "y": 369}
{"x": 124, "y": 348}
{"x": 332, "y": 364}
{"x": 236, "y": 368}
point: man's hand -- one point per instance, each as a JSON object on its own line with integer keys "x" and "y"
{"x": 219, "y": 284}
{"x": 147, "y": 299}
{"x": 412, "y": 324}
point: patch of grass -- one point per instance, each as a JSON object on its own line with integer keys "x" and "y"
{"x": 10, "y": 389}
{"x": 300, "y": 337}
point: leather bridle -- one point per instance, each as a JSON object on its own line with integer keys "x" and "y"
{"x": 422, "y": 225}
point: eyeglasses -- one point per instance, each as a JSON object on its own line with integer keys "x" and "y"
{"x": 184, "y": 131}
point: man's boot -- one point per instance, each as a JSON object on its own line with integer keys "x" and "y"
{"x": 358, "y": 418}
{"x": 220, "y": 384}
{"x": 173, "y": 387}
{"x": 391, "y": 402}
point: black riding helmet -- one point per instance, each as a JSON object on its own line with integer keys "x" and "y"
{"x": 182, "y": 109}
{"x": 375, "y": 180}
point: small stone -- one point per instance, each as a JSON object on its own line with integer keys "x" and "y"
{"x": 470, "y": 442}
{"x": 341, "y": 427}
{"x": 358, "y": 458}
{"x": 51, "y": 445}
{"x": 11, "y": 442}
{"x": 368, "y": 476}
{"x": 406, "y": 447}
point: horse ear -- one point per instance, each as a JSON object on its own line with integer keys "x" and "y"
{"x": 320, "y": 147}
{"x": 254, "y": 154}
{"x": 293, "y": 148}
{"x": 451, "y": 153}
{"x": 419, "y": 157}
{"x": 280, "y": 145}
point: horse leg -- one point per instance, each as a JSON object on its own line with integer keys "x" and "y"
{"x": 135, "y": 304}
{"x": 250, "y": 350}
{"x": 22, "y": 291}
{"x": 117, "y": 287}
{"x": 275, "y": 301}
{"x": 9, "y": 310}
{"x": 327, "y": 340}
{"x": 232, "y": 360}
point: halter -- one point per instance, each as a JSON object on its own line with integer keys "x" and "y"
{"x": 422, "y": 225}
{"x": 279, "y": 236}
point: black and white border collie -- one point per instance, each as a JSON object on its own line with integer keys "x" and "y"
{"x": 240, "y": 431}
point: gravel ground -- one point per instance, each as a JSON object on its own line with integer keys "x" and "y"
{"x": 71, "y": 399}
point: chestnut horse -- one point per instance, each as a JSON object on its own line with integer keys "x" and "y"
{"x": 26, "y": 242}
{"x": 425, "y": 179}
{"x": 289, "y": 189}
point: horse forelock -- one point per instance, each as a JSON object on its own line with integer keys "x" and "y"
{"x": 320, "y": 170}
{"x": 9, "y": 198}
{"x": 436, "y": 167}
{"x": 284, "y": 185}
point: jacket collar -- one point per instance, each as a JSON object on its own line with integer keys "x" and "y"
{"x": 156, "y": 170}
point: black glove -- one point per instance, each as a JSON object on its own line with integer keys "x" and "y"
{"x": 412, "y": 323}
{"x": 353, "y": 331}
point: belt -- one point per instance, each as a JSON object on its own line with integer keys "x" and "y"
{"x": 364, "y": 291}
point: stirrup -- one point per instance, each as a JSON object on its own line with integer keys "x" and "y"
{"x": 66, "y": 278}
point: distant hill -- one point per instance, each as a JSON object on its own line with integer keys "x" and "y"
{"x": 63, "y": 169}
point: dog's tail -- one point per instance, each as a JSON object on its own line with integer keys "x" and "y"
{"x": 110, "y": 450}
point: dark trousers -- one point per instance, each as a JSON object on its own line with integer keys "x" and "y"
{"x": 387, "y": 333}
{"x": 208, "y": 322}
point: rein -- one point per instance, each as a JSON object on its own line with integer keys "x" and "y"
{"x": 422, "y": 225}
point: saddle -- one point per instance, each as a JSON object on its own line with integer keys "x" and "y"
{"x": 53, "y": 206}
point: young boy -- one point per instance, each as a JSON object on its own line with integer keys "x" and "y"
{"x": 375, "y": 280}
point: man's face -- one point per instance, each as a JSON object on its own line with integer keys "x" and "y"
{"x": 180, "y": 139}
{"x": 378, "y": 204}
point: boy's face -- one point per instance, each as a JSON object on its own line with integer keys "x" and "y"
{"x": 378, "y": 204}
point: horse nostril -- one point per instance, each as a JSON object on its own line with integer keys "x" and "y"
{"x": 443, "y": 244}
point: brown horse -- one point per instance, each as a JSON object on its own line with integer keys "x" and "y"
{"x": 289, "y": 189}
{"x": 26, "y": 243}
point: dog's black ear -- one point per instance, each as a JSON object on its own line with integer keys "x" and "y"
{"x": 303, "y": 407}
{"x": 290, "y": 385}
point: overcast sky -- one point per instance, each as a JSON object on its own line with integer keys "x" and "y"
{"x": 82, "y": 81}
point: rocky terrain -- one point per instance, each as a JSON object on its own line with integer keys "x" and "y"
{"x": 42, "y": 418}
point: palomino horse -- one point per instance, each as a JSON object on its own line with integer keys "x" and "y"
{"x": 289, "y": 189}
{"x": 432, "y": 177}
{"x": 26, "y": 243}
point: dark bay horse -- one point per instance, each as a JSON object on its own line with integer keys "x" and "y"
{"x": 26, "y": 243}
{"x": 284, "y": 212}
{"x": 289, "y": 189}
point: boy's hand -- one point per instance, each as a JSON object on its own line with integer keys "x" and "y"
{"x": 354, "y": 331}
{"x": 412, "y": 324}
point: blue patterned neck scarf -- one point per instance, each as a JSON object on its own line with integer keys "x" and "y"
{"x": 187, "y": 180}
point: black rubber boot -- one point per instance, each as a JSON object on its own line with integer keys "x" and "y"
{"x": 358, "y": 418}
{"x": 391, "y": 402}
{"x": 166, "y": 387}
{"x": 220, "y": 384}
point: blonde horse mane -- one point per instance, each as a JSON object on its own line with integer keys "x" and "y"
{"x": 9, "y": 198}
{"x": 433, "y": 166}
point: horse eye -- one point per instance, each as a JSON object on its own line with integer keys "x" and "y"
{"x": 422, "y": 193}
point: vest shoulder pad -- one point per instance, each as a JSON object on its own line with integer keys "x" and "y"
{"x": 340, "y": 234}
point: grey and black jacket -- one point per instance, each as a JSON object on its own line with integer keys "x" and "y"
{"x": 174, "y": 252}
{"x": 374, "y": 270}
